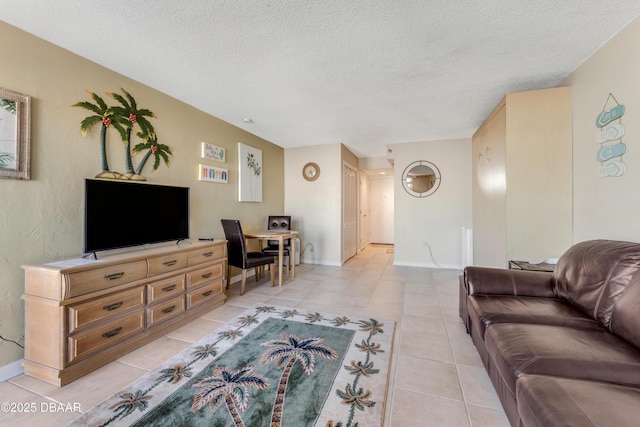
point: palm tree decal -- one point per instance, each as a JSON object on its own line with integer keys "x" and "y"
{"x": 159, "y": 151}
{"x": 129, "y": 110}
{"x": 105, "y": 117}
{"x": 286, "y": 351}
{"x": 175, "y": 374}
{"x": 230, "y": 387}
{"x": 130, "y": 402}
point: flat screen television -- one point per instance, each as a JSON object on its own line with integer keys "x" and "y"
{"x": 120, "y": 214}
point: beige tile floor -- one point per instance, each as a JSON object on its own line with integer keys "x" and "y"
{"x": 436, "y": 379}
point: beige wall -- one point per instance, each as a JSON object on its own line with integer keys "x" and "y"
{"x": 427, "y": 230}
{"x": 315, "y": 207}
{"x": 607, "y": 207}
{"x": 41, "y": 219}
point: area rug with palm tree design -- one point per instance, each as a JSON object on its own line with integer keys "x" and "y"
{"x": 271, "y": 366}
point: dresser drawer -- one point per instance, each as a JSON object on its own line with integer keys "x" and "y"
{"x": 89, "y": 341}
{"x": 165, "y": 310}
{"x": 90, "y": 312}
{"x": 210, "y": 253}
{"x": 204, "y": 294}
{"x": 165, "y": 288}
{"x": 167, "y": 263}
{"x": 96, "y": 279}
{"x": 204, "y": 275}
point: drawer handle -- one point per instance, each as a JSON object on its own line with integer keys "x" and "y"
{"x": 113, "y": 306}
{"x": 206, "y": 276}
{"x": 169, "y": 288}
{"x": 207, "y": 254}
{"x": 112, "y": 333}
{"x": 206, "y": 294}
{"x": 168, "y": 309}
{"x": 114, "y": 276}
{"x": 170, "y": 263}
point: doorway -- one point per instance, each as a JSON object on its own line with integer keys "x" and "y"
{"x": 382, "y": 210}
{"x": 364, "y": 211}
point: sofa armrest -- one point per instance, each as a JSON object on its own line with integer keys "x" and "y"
{"x": 500, "y": 281}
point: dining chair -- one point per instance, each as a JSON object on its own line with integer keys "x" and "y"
{"x": 282, "y": 222}
{"x": 237, "y": 255}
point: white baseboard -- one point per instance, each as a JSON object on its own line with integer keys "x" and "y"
{"x": 11, "y": 370}
{"x": 429, "y": 265}
{"x": 321, "y": 262}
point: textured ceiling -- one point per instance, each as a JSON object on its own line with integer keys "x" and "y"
{"x": 366, "y": 73}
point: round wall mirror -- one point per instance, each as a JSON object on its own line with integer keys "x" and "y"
{"x": 421, "y": 178}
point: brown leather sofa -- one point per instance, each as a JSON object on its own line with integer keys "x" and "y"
{"x": 561, "y": 348}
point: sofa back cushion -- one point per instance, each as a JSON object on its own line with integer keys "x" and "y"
{"x": 593, "y": 275}
{"x": 625, "y": 320}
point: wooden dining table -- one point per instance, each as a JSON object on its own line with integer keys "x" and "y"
{"x": 280, "y": 236}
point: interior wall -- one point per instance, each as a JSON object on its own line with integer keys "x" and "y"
{"x": 427, "y": 231}
{"x": 42, "y": 219}
{"x": 315, "y": 206}
{"x": 607, "y": 208}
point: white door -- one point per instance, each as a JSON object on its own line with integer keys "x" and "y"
{"x": 349, "y": 213}
{"x": 382, "y": 211}
{"x": 364, "y": 211}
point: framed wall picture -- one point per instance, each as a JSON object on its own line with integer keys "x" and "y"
{"x": 250, "y": 173}
{"x": 213, "y": 174}
{"x": 15, "y": 117}
{"x": 213, "y": 152}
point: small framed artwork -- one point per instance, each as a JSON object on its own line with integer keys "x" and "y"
{"x": 213, "y": 174}
{"x": 213, "y": 152}
{"x": 250, "y": 173}
{"x": 15, "y": 117}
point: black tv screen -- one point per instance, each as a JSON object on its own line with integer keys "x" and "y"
{"x": 119, "y": 214}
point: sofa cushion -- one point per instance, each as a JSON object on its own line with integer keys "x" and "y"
{"x": 625, "y": 319}
{"x": 484, "y": 310}
{"x": 564, "y": 402}
{"x": 592, "y": 275}
{"x": 517, "y": 349}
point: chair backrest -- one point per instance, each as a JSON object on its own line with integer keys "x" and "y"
{"x": 282, "y": 222}
{"x": 236, "y": 247}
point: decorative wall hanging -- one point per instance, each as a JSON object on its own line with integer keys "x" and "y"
{"x": 213, "y": 152}
{"x": 311, "y": 171}
{"x": 213, "y": 174}
{"x": 15, "y": 139}
{"x": 128, "y": 119}
{"x": 611, "y": 148}
{"x": 250, "y": 173}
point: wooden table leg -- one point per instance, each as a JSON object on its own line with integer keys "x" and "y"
{"x": 280, "y": 260}
{"x": 292, "y": 256}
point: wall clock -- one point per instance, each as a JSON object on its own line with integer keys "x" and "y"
{"x": 311, "y": 171}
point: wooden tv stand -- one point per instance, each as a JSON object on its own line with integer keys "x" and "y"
{"x": 82, "y": 314}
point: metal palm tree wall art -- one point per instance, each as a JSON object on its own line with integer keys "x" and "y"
{"x": 127, "y": 118}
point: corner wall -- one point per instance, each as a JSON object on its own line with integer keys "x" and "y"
{"x": 41, "y": 219}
